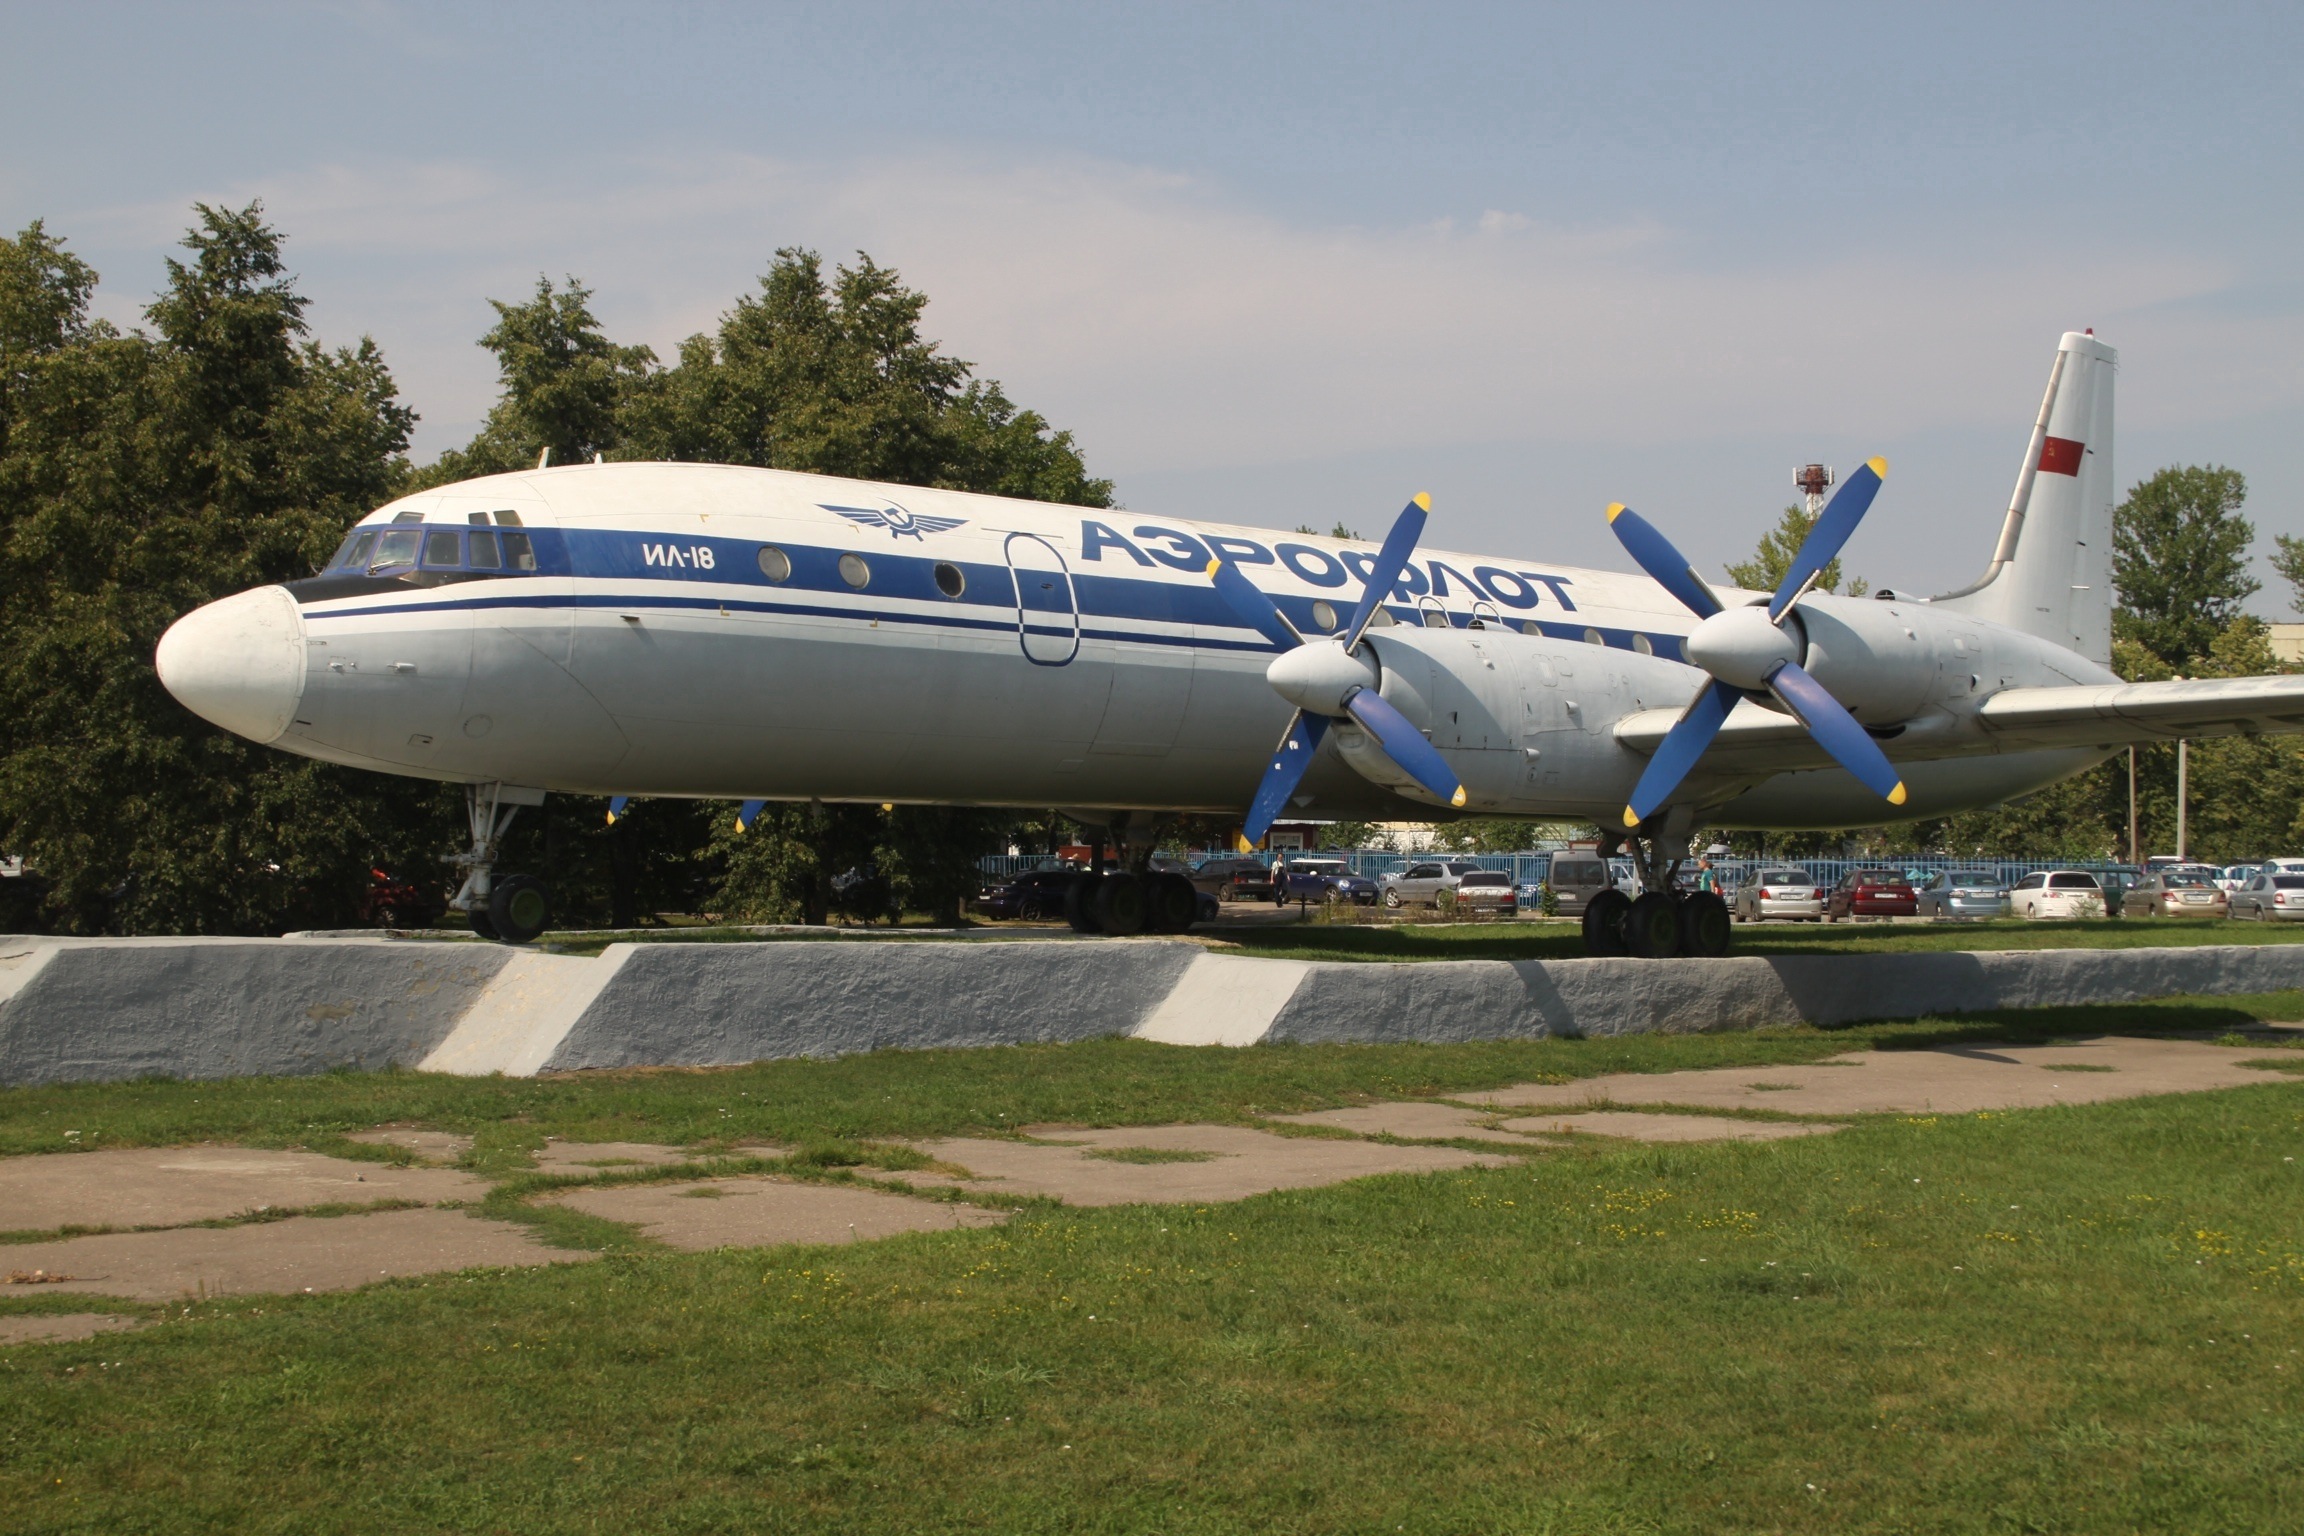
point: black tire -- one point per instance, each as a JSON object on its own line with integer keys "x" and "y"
{"x": 519, "y": 908}
{"x": 1604, "y": 923}
{"x": 1080, "y": 903}
{"x": 1704, "y": 929}
{"x": 1173, "y": 904}
{"x": 481, "y": 924}
{"x": 1652, "y": 927}
{"x": 1121, "y": 905}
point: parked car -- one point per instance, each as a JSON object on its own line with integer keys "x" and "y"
{"x": 1321, "y": 880}
{"x": 2233, "y": 876}
{"x": 1421, "y": 883}
{"x": 1791, "y": 894}
{"x": 2116, "y": 883}
{"x": 1963, "y": 893}
{"x": 1871, "y": 893}
{"x": 1037, "y": 893}
{"x": 1577, "y": 877}
{"x": 1233, "y": 879}
{"x": 1486, "y": 891}
{"x": 2282, "y": 866}
{"x": 2267, "y": 898}
{"x": 391, "y": 902}
{"x": 2056, "y": 893}
{"x": 2176, "y": 892}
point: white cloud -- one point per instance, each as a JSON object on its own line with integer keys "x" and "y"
{"x": 1175, "y": 329}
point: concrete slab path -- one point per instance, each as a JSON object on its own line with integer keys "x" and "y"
{"x": 429, "y": 1146}
{"x": 1635, "y": 1126}
{"x": 170, "y": 1186}
{"x": 301, "y": 1253}
{"x": 63, "y": 1327}
{"x": 757, "y": 1212}
{"x": 1957, "y": 1079}
{"x": 1227, "y": 1162}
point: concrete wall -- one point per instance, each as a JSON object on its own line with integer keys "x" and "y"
{"x": 95, "y": 1010}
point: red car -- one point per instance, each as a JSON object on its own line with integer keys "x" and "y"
{"x": 1872, "y": 893}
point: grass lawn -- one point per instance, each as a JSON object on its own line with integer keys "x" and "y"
{"x": 2083, "y": 1319}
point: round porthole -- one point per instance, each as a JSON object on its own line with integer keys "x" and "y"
{"x": 1324, "y": 614}
{"x": 854, "y": 571}
{"x": 949, "y": 579}
{"x": 774, "y": 563}
{"x": 1642, "y": 644}
{"x": 1594, "y": 637}
{"x": 1531, "y": 627}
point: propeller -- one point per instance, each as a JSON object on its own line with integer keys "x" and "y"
{"x": 1748, "y": 651}
{"x": 1328, "y": 679}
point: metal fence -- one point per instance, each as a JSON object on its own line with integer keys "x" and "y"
{"x": 1532, "y": 867}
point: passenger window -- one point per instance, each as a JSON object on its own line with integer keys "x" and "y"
{"x": 440, "y": 548}
{"x": 484, "y": 554}
{"x": 519, "y": 555}
{"x": 397, "y": 547}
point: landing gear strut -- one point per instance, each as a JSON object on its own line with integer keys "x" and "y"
{"x": 1662, "y": 921}
{"x": 515, "y": 908}
{"x": 1134, "y": 899}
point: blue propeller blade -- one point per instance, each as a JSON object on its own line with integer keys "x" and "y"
{"x": 1249, "y": 604}
{"x": 1837, "y": 732}
{"x": 746, "y": 813}
{"x": 616, "y": 807}
{"x": 1405, "y": 745}
{"x": 1391, "y": 560}
{"x": 1682, "y": 745}
{"x": 1289, "y": 760}
{"x": 1832, "y": 529}
{"x": 1654, "y": 553}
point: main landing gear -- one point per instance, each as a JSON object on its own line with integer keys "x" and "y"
{"x": 1661, "y": 921}
{"x": 1132, "y": 900}
{"x": 513, "y": 908}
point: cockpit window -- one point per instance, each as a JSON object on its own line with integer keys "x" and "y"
{"x": 354, "y": 550}
{"x": 396, "y": 547}
{"x": 519, "y": 554}
{"x": 440, "y": 548}
{"x": 485, "y": 556}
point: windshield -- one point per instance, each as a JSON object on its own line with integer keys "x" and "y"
{"x": 1485, "y": 877}
{"x": 1785, "y": 877}
{"x": 2072, "y": 883}
{"x": 1976, "y": 882}
{"x": 2175, "y": 882}
{"x": 2288, "y": 882}
{"x": 397, "y": 547}
{"x": 1578, "y": 872}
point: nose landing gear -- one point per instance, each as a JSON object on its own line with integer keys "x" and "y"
{"x": 515, "y": 908}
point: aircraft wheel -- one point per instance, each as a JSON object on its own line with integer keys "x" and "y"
{"x": 1652, "y": 927}
{"x": 1121, "y": 907}
{"x": 1080, "y": 903}
{"x": 519, "y": 908}
{"x": 481, "y": 924}
{"x": 1704, "y": 925}
{"x": 1173, "y": 903}
{"x": 1604, "y": 923}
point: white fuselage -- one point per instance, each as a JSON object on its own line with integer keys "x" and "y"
{"x": 696, "y": 630}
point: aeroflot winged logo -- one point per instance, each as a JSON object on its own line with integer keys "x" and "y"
{"x": 899, "y": 523}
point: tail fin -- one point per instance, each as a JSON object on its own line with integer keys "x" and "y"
{"x": 2051, "y": 575}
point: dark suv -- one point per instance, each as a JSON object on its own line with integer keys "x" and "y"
{"x": 1233, "y": 879}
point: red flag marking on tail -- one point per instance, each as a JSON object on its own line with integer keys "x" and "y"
{"x": 2060, "y": 455}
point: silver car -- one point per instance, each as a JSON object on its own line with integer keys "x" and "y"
{"x": 1421, "y": 883}
{"x": 2269, "y": 898}
{"x": 1792, "y": 894}
{"x": 1963, "y": 893}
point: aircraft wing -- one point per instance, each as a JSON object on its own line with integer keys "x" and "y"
{"x": 2117, "y": 714}
{"x": 1747, "y": 725}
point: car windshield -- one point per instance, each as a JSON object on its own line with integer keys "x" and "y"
{"x": 1976, "y": 882}
{"x": 1879, "y": 877}
{"x": 1785, "y": 877}
{"x": 1317, "y": 867}
{"x": 2288, "y": 882}
{"x": 1578, "y": 872}
{"x": 1485, "y": 877}
{"x": 2072, "y": 882}
{"x": 2180, "y": 881}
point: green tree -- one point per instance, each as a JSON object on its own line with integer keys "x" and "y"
{"x": 1773, "y": 557}
{"x": 2180, "y": 561}
{"x": 141, "y": 475}
{"x": 2288, "y": 560}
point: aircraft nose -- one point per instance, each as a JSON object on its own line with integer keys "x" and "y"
{"x": 238, "y": 663}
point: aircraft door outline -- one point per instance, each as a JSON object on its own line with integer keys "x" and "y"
{"x": 1047, "y": 605}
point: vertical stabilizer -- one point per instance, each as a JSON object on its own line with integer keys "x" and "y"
{"x": 2051, "y": 575}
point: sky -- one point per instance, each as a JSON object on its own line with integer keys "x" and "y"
{"x": 1290, "y": 264}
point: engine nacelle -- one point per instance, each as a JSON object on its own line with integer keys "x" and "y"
{"x": 1881, "y": 660}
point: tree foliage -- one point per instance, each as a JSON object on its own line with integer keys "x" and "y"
{"x": 142, "y": 474}
{"x": 2180, "y": 561}
{"x": 1774, "y": 556}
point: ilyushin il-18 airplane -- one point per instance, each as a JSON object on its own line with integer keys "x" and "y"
{"x": 634, "y": 629}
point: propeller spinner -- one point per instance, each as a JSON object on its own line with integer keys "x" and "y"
{"x": 1749, "y": 651}
{"x": 1329, "y": 679}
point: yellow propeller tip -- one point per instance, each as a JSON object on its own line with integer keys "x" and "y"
{"x": 1878, "y": 467}
{"x": 1631, "y": 817}
{"x": 1896, "y": 796}
{"x": 1423, "y": 499}
{"x": 1212, "y": 565}
{"x": 1614, "y": 507}
{"x": 1457, "y": 800}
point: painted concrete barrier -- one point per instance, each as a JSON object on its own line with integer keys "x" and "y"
{"x": 94, "y": 1010}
